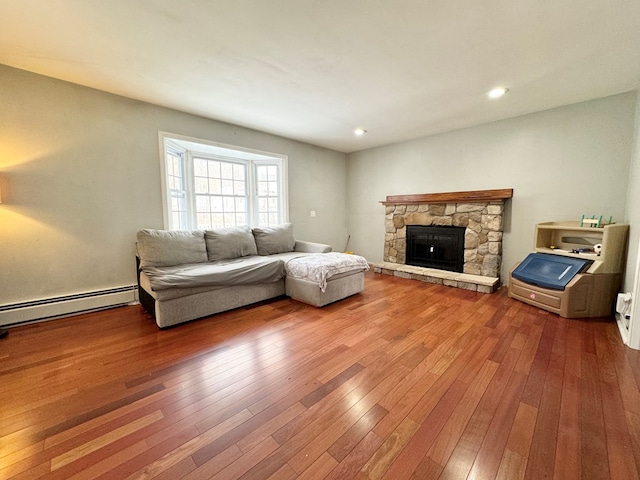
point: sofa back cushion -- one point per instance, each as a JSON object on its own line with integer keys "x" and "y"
{"x": 165, "y": 248}
{"x": 278, "y": 239}
{"x": 230, "y": 242}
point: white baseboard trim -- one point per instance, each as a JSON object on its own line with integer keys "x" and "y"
{"x": 55, "y": 307}
{"x": 622, "y": 327}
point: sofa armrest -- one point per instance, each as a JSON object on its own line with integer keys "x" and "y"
{"x": 311, "y": 247}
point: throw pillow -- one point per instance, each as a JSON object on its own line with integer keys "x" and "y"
{"x": 164, "y": 248}
{"x": 278, "y": 239}
{"x": 230, "y": 242}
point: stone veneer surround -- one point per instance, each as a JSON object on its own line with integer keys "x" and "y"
{"x": 482, "y": 238}
{"x": 480, "y": 212}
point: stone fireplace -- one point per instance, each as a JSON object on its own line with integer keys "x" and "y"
{"x": 480, "y": 213}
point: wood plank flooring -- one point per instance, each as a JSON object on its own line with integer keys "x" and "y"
{"x": 405, "y": 381}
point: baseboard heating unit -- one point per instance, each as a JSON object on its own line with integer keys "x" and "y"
{"x": 54, "y": 307}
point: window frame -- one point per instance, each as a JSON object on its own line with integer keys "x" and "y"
{"x": 169, "y": 142}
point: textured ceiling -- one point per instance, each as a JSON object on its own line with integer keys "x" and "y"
{"x": 314, "y": 70}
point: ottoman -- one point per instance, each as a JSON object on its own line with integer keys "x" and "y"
{"x": 324, "y": 278}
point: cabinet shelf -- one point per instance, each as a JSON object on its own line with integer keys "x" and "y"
{"x": 566, "y": 253}
{"x": 567, "y": 236}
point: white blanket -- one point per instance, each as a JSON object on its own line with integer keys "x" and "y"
{"x": 318, "y": 268}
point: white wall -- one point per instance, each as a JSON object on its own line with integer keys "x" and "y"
{"x": 631, "y": 336}
{"x": 80, "y": 174}
{"x": 561, "y": 163}
{"x": 632, "y": 214}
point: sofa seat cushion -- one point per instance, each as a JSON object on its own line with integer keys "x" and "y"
{"x": 286, "y": 256}
{"x": 171, "y": 293}
{"x": 240, "y": 271}
{"x": 320, "y": 267}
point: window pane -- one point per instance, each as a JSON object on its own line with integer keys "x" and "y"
{"x": 204, "y": 220}
{"x": 202, "y": 204}
{"x": 217, "y": 221}
{"x": 239, "y": 172}
{"x": 215, "y": 186}
{"x": 227, "y": 187}
{"x": 227, "y": 170}
{"x": 174, "y": 165}
{"x": 175, "y": 190}
{"x": 200, "y": 167}
{"x": 241, "y": 219}
{"x": 272, "y": 173}
{"x": 229, "y": 204}
{"x": 216, "y": 204}
{"x": 239, "y": 188}
{"x": 202, "y": 185}
{"x": 263, "y": 219}
{"x": 225, "y": 182}
{"x": 273, "y": 204}
{"x": 263, "y": 189}
{"x": 175, "y": 183}
{"x": 175, "y": 220}
{"x": 262, "y": 173}
{"x": 273, "y": 189}
{"x": 214, "y": 169}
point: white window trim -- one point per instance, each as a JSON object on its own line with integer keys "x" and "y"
{"x": 166, "y": 136}
{"x": 165, "y": 190}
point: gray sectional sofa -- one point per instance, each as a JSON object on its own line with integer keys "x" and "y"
{"x": 185, "y": 275}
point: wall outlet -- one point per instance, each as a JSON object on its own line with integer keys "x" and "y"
{"x": 313, "y": 213}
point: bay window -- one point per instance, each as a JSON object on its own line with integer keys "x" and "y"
{"x": 209, "y": 185}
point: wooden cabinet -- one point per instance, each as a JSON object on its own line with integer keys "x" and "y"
{"x": 588, "y": 294}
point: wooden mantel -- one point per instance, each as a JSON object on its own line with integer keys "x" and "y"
{"x": 450, "y": 197}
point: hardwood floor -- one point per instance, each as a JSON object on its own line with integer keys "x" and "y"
{"x": 404, "y": 381}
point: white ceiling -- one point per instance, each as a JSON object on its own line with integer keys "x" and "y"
{"x": 313, "y": 70}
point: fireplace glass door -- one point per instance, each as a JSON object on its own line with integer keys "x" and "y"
{"x": 436, "y": 247}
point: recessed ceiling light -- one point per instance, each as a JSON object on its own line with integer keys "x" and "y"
{"x": 359, "y": 131}
{"x": 497, "y": 92}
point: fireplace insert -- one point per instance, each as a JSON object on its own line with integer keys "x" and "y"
{"x": 436, "y": 247}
